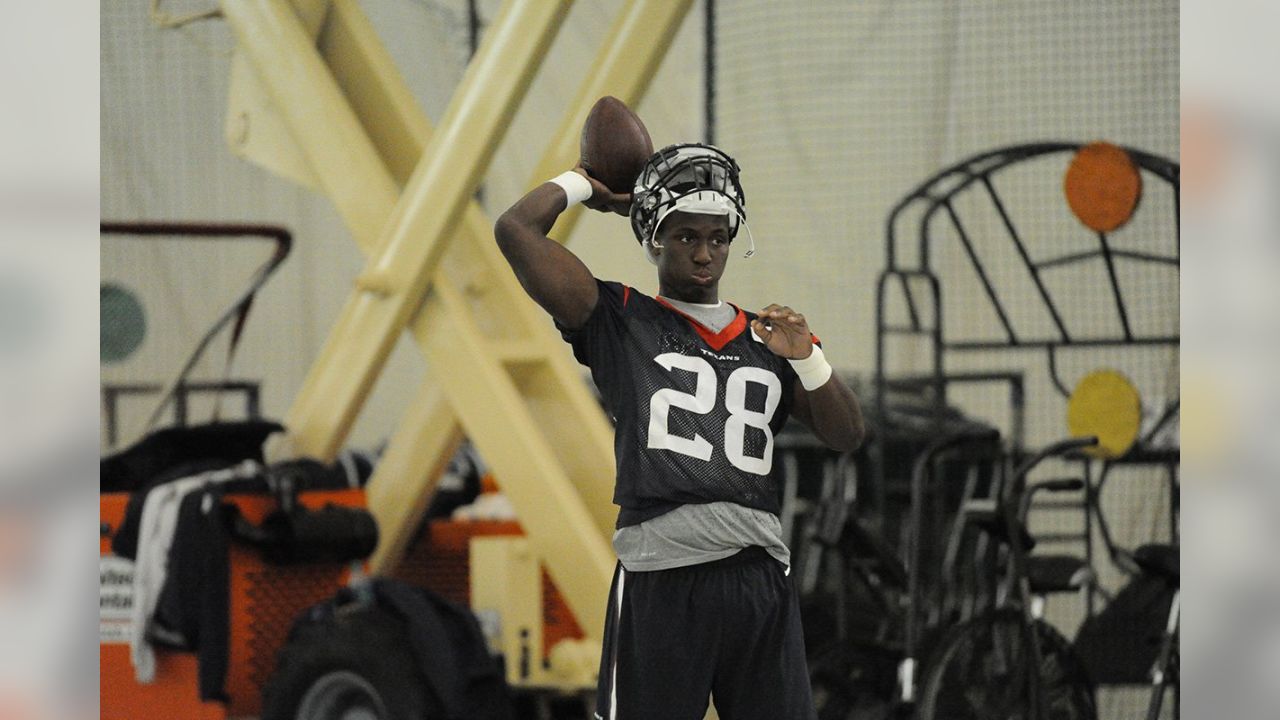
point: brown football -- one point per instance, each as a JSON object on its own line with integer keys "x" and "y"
{"x": 615, "y": 144}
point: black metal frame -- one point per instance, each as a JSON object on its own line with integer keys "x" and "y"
{"x": 1012, "y": 508}
{"x": 112, "y": 393}
{"x": 178, "y": 389}
{"x": 709, "y": 71}
{"x": 915, "y": 287}
{"x": 921, "y": 616}
{"x": 937, "y": 194}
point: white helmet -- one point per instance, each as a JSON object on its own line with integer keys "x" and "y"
{"x": 690, "y": 177}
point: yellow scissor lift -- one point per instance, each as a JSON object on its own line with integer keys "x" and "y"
{"x": 315, "y": 97}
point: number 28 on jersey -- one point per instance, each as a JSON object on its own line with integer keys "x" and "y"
{"x": 702, "y": 401}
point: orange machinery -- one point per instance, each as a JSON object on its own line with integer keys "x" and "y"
{"x": 265, "y": 600}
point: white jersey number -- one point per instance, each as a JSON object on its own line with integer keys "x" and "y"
{"x": 703, "y": 400}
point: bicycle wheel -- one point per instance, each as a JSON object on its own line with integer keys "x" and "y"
{"x": 980, "y": 673}
{"x": 851, "y": 684}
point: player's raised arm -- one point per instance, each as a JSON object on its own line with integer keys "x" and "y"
{"x": 823, "y": 401}
{"x": 554, "y": 277}
{"x": 615, "y": 146}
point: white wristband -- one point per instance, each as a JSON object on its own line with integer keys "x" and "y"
{"x": 576, "y": 187}
{"x": 814, "y": 371}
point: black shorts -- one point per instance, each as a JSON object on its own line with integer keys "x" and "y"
{"x": 729, "y": 629}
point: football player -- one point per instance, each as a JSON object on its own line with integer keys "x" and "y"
{"x": 702, "y": 603}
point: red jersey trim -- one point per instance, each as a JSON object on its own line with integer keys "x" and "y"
{"x": 715, "y": 340}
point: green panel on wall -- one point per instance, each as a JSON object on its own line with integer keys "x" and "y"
{"x": 123, "y": 323}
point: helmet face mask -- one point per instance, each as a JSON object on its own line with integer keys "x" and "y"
{"x": 691, "y": 177}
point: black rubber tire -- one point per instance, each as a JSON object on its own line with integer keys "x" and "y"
{"x": 851, "y": 685}
{"x": 356, "y": 665}
{"x": 833, "y": 698}
{"x": 978, "y": 673}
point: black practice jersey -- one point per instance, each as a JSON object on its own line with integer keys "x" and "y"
{"x": 695, "y": 412}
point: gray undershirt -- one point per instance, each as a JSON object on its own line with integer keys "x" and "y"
{"x": 715, "y": 317}
{"x": 700, "y": 532}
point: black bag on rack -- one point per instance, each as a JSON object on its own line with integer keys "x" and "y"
{"x": 1119, "y": 644}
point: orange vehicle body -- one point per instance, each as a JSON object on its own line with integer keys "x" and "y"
{"x": 266, "y": 599}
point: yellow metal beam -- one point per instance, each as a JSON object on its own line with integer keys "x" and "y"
{"x": 406, "y": 475}
{"x": 509, "y": 437}
{"x": 330, "y": 135}
{"x": 627, "y": 61}
{"x": 344, "y": 95}
{"x": 255, "y": 129}
{"x": 552, "y": 453}
{"x": 395, "y": 279}
{"x": 367, "y": 74}
{"x": 569, "y": 416}
{"x": 506, "y": 580}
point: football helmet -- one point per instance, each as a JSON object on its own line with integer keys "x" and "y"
{"x": 690, "y": 177}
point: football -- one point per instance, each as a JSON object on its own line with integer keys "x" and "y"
{"x": 615, "y": 144}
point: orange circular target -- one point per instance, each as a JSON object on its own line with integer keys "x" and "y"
{"x": 1105, "y": 404}
{"x": 1102, "y": 186}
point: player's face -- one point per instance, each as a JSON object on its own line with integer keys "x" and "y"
{"x": 692, "y": 257}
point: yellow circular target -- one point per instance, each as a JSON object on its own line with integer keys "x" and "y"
{"x": 1104, "y": 403}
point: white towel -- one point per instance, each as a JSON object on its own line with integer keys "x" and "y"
{"x": 155, "y": 537}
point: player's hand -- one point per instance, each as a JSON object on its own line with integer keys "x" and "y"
{"x": 602, "y": 198}
{"x": 784, "y": 331}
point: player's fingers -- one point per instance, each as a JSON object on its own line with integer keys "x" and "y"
{"x": 787, "y": 315}
{"x": 609, "y": 202}
{"x": 603, "y": 199}
{"x": 598, "y": 189}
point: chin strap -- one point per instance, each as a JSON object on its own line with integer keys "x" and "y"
{"x": 751, "y": 241}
